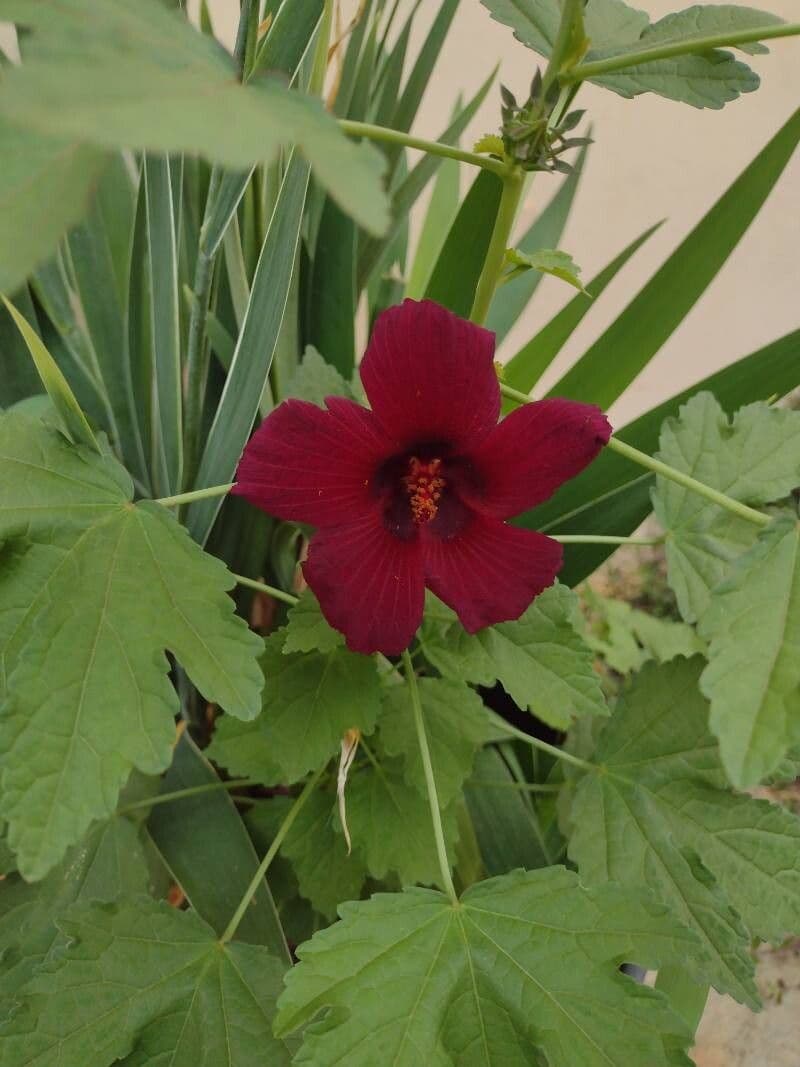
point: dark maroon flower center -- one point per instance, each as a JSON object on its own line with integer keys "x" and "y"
{"x": 424, "y": 484}
{"x": 423, "y": 489}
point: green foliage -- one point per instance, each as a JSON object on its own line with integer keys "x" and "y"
{"x": 545, "y": 231}
{"x": 310, "y": 701}
{"x": 71, "y": 418}
{"x": 212, "y": 868}
{"x": 545, "y": 261}
{"x": 252, "y": 358}
{"x": 141, "y": 77}
{"x": 390, "y": 824}
{"x": 754, "y": 459}
{"x": 506, "y": 823}
{"x": 307, "y": 630}
{"x": 614, "y": 360}
{"x": 540, "y": 660}
{"x": 626, "y": 637}
{"x": 659, "y": 812}
{"x": 315, "y": 379}
{"x": 708, "y": 78}
{"x": 107, "y": 865}
{"x": 753, "y": 676}
{"x": 522, "y": 962}
{"x": 75, "y": 628}
{"x": 327, "y": 873}
{"x": 176, "y": 314}
{"x": 142, "y": 981}
{"x": 456, "y": 723}
{"x": 45, "y": 186}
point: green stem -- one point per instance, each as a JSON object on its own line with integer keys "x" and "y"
{"x": 543, "y": 746}
{"x": 570, "y": 11}
{"x": 513, "y": 183}
{"x": 271, "y": 590}
{"x": 597, "y": 67}
{"x": 272, "y": 852}
{"x": 430, "y": 780}
{"x": 686, "y": 480}
{"x": 196, "y": 494}
{"x": 433, "y": 148}
{"x": 603, "y": 539}
{"x": 316, "y": 83}
{"x": 196, "y": 348}
{"x": 180, "y": 794}
{"x": 664, "y": 469}
{"x": 526, "y": 787}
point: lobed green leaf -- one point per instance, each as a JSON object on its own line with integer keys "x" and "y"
{"x": 522, "y": 964}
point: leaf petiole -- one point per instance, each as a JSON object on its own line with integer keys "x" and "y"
{"x": 430, "y": 780}
{"x": 181, "y": 794}
{"x": 664, "y": 469}
{"x": 270, "y": 855}
{"x": 543, "y": 746}
{"x": 598, "y": 67}
{"x": 270, "y": 590}
{"x": 433, "y": 148}
{"x": 195, "y": 494}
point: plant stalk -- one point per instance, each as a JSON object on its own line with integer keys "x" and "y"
{"x": 571, "y": 10}
{"x": 513, "y": 184}
{"x": 430, "y": 780}
{"x": 195, "y": 494}
{"x": 603, "y": 539}
{"x": 664, "y": 469}
{"x": 272, "y": 852}
{"x": 196, "y": 349}
{"x": 433, "y": 148}
{"x": 181, "y": 794}
{"x": 543, "y": 746}
{"x": 596, "y": 68}
{"x": 270, "y": 590}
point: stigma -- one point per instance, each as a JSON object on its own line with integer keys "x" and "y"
{"x": 424, "y": 485}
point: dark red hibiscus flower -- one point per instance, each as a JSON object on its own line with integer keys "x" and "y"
{"x": 416, "y": 491}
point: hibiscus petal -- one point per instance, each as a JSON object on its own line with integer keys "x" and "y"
{"x": 369, "y": 585}
{"x": 430, "y": 376}
{"x": 310, "y": 465}
{"x": 533, "y": 450}
{"x": 490, "y": 572}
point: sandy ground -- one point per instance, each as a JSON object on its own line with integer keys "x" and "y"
{"x": 732, "y": 1036}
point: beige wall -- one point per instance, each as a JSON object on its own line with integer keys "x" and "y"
{"x": 653, "y": 159}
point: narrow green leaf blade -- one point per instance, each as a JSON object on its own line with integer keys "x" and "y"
{"x": 525, "y": 368}
{"x": 213, "y": 867}
{"x": 627, "y": 346}
{"x": 162, "y": 259}
{"x": 252, "y": 359}
{"x": 458, "y": 268}
{"x": 74, "y": 421}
